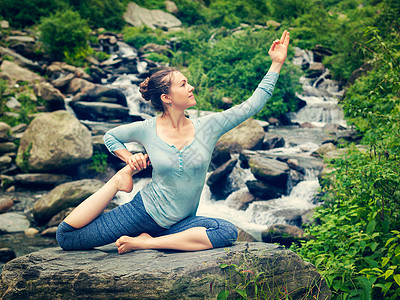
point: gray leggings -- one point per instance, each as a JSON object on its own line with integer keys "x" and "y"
{"x": 131, "y": 219}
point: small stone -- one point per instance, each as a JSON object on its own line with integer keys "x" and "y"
{"x": 6, "y": 204}
{"x": 11, "y": 189}
{"x": 31, "y": 231}
{"x": 50, "y": 232}
{"x": 4, "y": 24}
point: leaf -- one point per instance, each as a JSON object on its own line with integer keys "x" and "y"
{"x": 223, "y": 266}
{"x": 397, "y": 278}
{"x": 371, "y": 227}
{"x": 223, "y": 295}
{"x": 372, "y": 263}
{"x": 387, "y": 274}
{"x": 241, "y": 293}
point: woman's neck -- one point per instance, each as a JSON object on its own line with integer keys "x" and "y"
{"x": 174, "y": 118}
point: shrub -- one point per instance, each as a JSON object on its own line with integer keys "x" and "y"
{"x": 21, "y": 13}
{"x": 64, "y": 32}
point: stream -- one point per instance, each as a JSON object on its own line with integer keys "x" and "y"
{"x": 320, "y": 94}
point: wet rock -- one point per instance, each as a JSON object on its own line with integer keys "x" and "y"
{"x": 171, "y": 7}
{"x": 307, "y": 125}
{"x": 20, "y": 60}
{"x": 282, "y": 234}
{"x": 240, "y": 199}
{"x": 218, "y": 183}
{"x": 7, "y": 254}
{"x": 4, "y": 24}
{"x": 272, "y": 140}
{"x": 54, "y": 141}
{"x": 101, "y": 94}
{"x": 220, "y": 155}
{"x": 66, "y": 195}
{"x": 151, "y": 47}
{"x": 320, "y": 52}
{"x": 271, "y": 171}
{"x": 7, "y": 147}
{"x": 315, "y": 70}
{"x": 5, "y": 204}
{"x": 13, "y": 104}
{"x": 4, "y": 131}
{"x": 96, "y": 111}
{"x": 58, "y": 218}
{"x": 138, "y": 16}
{"x": 5, "y": 162}
{"x": 23, "y": 39}
{"x": 103, "y": 274}
{"x": 31, "y": 231}
{"x": 50, "y": 232}
{"x": 365, "y": 68}
{"x": 248, "y": 135}
{"x": 323, "y": 149}
{"x": 273, "y": 24}
{"x": 13, "y": 73}
{"x": 42, "y": 180}
{"x": 11, "y": 222}
{"x": 243, "y": 236}
{"x": 79, "y": 85}
{"x": 264, "y": 191}
{"x": 18, "y": 128}
{"x": 63, "y": 82}
{"x": 54, "y": 99}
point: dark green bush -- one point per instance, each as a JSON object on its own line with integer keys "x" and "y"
{"x": 21, "y": 13}
{"x": 64, "y": 33}
{"x": 101, "y": 13}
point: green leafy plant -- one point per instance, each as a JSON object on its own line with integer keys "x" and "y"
{"x": 99, "y": 162}
{"x": 65, "y": 32}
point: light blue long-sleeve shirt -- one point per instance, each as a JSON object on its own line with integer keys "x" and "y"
{"x": 179, "y": 175}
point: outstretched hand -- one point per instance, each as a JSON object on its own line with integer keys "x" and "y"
{"x": 278, "y": 50}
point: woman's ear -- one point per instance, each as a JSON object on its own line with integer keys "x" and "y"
{"x": 165, "y": 99}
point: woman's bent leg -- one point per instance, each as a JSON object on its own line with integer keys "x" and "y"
{"x": 221, "y": 233}
{"x": 128, "y": 219}
{"x": 190, "y": 234}
{"x": 93, "y": 206}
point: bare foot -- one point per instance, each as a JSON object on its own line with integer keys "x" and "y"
{"x": 126, "y": 243}
{"x": 123, "y": 179}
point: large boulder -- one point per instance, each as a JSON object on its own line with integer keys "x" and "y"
{"x": 283, "y": 234}
{"x": 20, "y": 60}
{"x": 99, "y": 111}
{"x": 53, "y": 98}
{"x": 66, "y": 195}
{"x": 271, "y": 171}
{"x": 218, "y": 180}
{"x": 54, "y": 141}
{"x": 138, "y": 16}
{"x": 150, "y": 274}
{"x": 248, "y": 135}
{"x": 14, "y": 73}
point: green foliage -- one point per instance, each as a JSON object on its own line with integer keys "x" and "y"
{"x": 140, "y": 36}
{"x": 232, "y": 66}
{"x": 64, "y": 32}
{"x": 101, "y": 13}
{"x": 356, "y": 246}
{"x": 21, "y": 13}
{"x": 99, "y": 162}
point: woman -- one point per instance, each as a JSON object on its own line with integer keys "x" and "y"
{"x": 162, "y": 214}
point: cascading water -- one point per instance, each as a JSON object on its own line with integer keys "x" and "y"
{"x": 321, "y": 95}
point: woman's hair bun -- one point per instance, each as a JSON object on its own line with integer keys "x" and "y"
{"x": 144, "y": 89}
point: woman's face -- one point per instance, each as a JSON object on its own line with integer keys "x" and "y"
{"x": 181, "y": 92}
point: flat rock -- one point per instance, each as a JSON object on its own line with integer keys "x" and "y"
{"x": 13, "y": 222}
{"x": 149, "y": 274}
{"x": 14, "y": 73}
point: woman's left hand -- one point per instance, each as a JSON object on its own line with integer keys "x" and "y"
{"x": 278, "y": 50}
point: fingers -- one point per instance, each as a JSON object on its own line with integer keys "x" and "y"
{"x": 138, "y": 161}
{"x": 274, "y": 43}
{"x": 287, "y": 39}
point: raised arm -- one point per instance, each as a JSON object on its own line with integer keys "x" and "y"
{"x": 219, "y": 123}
